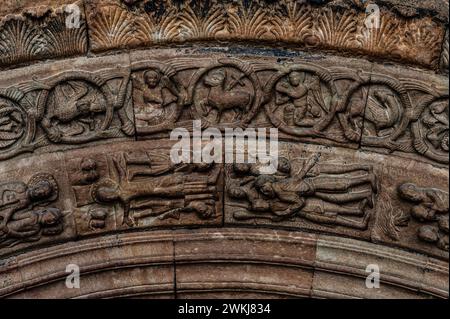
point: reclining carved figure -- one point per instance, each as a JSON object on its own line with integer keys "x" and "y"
{"x": 288, "y": 197}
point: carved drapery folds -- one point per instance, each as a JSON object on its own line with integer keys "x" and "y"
{"x": 131, "y": 186}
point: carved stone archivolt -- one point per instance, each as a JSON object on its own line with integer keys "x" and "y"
{"x": 68, "y": 108}
{"x": 306, "y": 101}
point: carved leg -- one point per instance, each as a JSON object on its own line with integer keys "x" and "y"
{"x": 358, "y": 210}
{"x": 346, "y": 197}
{"x": 342, "y": 169}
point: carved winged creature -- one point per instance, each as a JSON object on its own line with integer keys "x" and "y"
{"x": 74, "y": 101}
{"x": 383, "y": 110}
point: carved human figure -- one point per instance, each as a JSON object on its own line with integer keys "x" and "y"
{"x": 303, "y": 101}
{"x": 97, "y": 218}
{"x": 429, "y": 202}
{"x": 18, "y": 196}
{"x": 285, "y": 196}
{"x": 223, "y": 95}
{"x": 87, "y": 173}
{"x": 163, "y": 210}
{"x": 155, "y": 163}
{"x": 31, "y": 226}
{"x": 173, "y": 186}
{"x": 431, "y": 206}
{"x": 158, "y": 92}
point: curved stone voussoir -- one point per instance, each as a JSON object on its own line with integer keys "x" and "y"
{"x": 144, "y": 265}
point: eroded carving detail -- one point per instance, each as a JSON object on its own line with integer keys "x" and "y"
{"x": 38, "y": 34}
{"x": 304, "y": 100}
{"x": 70, "y": 108}
{"x": 118, "y": 24}
{"x": 21, "y": 219}
{"x": 141, "y": 188}
{"x": 430, "y": 207}
{"x": 322, "y": 193}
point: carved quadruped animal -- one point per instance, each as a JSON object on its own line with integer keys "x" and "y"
{"x": 222, "y": 95}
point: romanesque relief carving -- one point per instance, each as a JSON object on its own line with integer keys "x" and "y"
{"x": 119, "y": 24}
{"x": 157, "y": 96}
{"x": 39, "y": 33}
{"x": 430, "y": 207}
{"x": 304, "y": 100}
{"x": 139, "y": 188}
{"x": 307, "y": 100}
{"x": 24, "y": 212}
{"x": 305, "y": 192}
{"x": 80, "y": 107}
{"x": 72, "y": 107}
{"x": 226, "y": 92}
{"x": 16, "y": 126}
{"x": 430, "y": 131}
{"x": 444, "y": 55}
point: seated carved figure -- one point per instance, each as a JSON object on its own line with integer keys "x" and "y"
{"x": 302, "y": 100}
{"x": 31, "y": 226}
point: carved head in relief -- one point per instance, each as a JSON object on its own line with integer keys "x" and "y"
{"x": 296, "y": 78}
{"x": 410, "y": 192}
{"x": 152, "y": 78}
{"x": 41, "y": 190}
{"x": 284, "y": 165}
{"x": 422, "y": 213}
{"x": 204, "y": 211}
{"x": 89, "y": 170}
